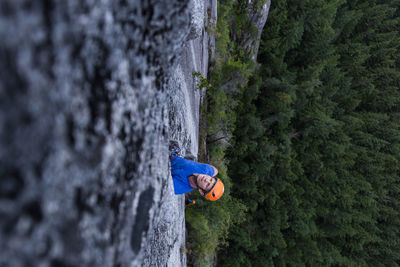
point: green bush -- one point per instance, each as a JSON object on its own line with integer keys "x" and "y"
{"x": 200, "y": 80}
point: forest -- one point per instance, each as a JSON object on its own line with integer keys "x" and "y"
{"x": 315, "y": 149}
{"x": 306, "y": 140}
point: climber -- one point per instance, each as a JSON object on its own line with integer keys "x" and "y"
{"x": 188, "y": 175}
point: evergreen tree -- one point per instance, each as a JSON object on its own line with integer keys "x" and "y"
{"x": 316, "y": 150}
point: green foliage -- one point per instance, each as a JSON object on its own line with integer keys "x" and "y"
{"x": 208, "y": 223}
{"x": 201, "y": 80}
{"x": 229, "y": 74}
{"x": 222, "y": 40}
{"x": 315, "y": 149}
{"x": 202, "y": 243}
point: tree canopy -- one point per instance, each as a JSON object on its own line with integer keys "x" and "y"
{"x": 316, "y": 147}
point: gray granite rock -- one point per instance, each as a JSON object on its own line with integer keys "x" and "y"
{"x": 196, "y": 18}
{"x": 84, "y": 120}
{"x": 257, "y": 13}
{"x": 258, "y": 17}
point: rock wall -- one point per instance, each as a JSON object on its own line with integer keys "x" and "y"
{"x": 84, "y": 128}
{"x": 258, "y": 16}
{"x": 257, "y": 13}
{"x": 167, "y": 237}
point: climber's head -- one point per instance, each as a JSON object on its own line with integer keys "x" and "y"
{"x": 210, "y": 187}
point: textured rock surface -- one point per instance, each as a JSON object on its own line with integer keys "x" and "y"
{"x": 212, "y": 15}
{"x": 196, "y": 21}
{"x": 258, "y": 16}
{"x": 86, "y": 91}
{"x": 168, "y": 234}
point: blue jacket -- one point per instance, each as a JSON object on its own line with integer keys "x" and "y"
{"x": 182, "y": 168}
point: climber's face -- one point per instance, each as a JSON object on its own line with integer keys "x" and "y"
{"x": 205, "y": 182}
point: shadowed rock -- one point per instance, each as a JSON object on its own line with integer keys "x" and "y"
{"x": 142, "y": 220}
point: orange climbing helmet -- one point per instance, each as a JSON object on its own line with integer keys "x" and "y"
{"x": 216, "y": 191}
